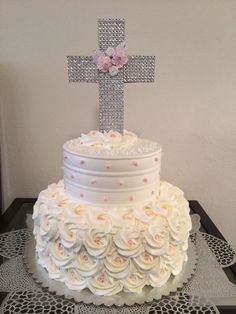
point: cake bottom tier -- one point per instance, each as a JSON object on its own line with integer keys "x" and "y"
{"x": 111, "y": 249}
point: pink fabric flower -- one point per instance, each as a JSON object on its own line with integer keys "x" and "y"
{"x": 112, "y": 60}
{"x": 96, "y": 54}
{"x": 103, "y": 62}
{"x": 120, "y": 57}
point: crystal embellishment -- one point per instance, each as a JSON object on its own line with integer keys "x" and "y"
{"x": 111, "y": 32}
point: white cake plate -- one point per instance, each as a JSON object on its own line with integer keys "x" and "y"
{"x": 148, "y": 294}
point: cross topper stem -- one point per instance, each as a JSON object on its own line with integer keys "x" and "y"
{"x": 111, "y": 33}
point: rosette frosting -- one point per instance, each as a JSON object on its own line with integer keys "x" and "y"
{"x": 97, "y": 243}
{"x": 73, "y": 280}
{"x": 117, "y": 266}
{"x": 128, "y": 243}
{"x": 103, "y": 284}
{"x": 111, "y": 249}
{"x": 85, "y": 265}
{"x": 135, "y": 282}
{"x": 108, "y": 140}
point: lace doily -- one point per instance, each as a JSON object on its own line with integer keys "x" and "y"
{"x": 32, "y": 302}
{"x": 224, "y": 252}
{"x": 24, "y": 296}
{"x": 210, "y": 280}
{"x": 13, "y": 276}
{"x": 12, "y": 243}
{"x": 183, "y": 303}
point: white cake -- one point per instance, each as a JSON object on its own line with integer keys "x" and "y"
{"x": 111, "y": 225}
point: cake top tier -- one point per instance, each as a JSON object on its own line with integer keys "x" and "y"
{"x": 111, "y": 144}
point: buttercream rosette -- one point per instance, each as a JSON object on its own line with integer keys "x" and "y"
{"x": 54, "y": 272}
{"x": 97, "y": 243}
{"x": 128, "y": 242}
{"x": 146, "y": 262}
{"x": 174, "y": 258}
{"x": 159, "y": 278}
{"x": 99, "y": 219}
{"x": 135, "y": 282}
{"x": 85, "y": 265}
{"x": 70, "y": 236}
{"x": 116, "y": 265}
{"x": 179, "y": 226}
{"x": 73, "y": 280}
{"x": 103, "y": 284}
{"x": 60, "y": 256}
{"x": 157, "y": 237}
{"x": 48, "y": 228}
{"x": 121, "y": 217}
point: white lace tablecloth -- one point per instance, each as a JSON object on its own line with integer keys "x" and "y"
{"x": 208, "y": 287}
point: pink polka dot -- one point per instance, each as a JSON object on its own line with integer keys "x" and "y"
{"x": 145, "y": 180}
{"x": 81, "y": 195}
{"x": 108, "y": 166}
{"x": 93, "y": 181}
{"x": 105, "y": 199}
{"x": 82, "y": 162}
{"x": 131, "y": 198}
{"x": 72, "y": 177}
{"x": 121, "y": 183}
{"x": 156, "y": 159}
{"x": 65, "y": 157}
{"x": 135, "y": 163}
{"x": 152, "y": 192}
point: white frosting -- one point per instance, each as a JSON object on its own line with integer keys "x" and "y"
{"x": 108, "y": 180}
{"x": 111, "y": 249}
{"x": 108, "y": 140}
{"x": 135, "y": 282}
{"x": 110, "y": 144}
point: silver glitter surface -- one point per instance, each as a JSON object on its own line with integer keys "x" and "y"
{"x": 139, "y": 69}
{"x": 82, "y": 69}
{"x": 111, "y": 32}
{"x": 111, "y": 102}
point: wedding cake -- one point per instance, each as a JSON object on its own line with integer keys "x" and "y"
{"x": 111, "y": 225}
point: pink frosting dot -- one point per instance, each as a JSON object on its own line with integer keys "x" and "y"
{"x": 108, "y": 166}
{"x": 82, "y": 162}
{"x": 145, "y": 180}
{"x": 81, "y": 195}
{"x": 93, "y": 181}
{"x": 105, "y": 199}
{"x": 135, "y": 163}
{"x": 156, "y": 159}
{"x": 72, "y": 177}
{"x": 85, "y": 258}
{"x": 65, "y": 157}
{"x": 131, "y": 198}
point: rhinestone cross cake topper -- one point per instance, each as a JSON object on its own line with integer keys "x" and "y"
{"x": 111, "y": 33}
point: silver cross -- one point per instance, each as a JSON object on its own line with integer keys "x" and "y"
{"x": 111, "y": 32}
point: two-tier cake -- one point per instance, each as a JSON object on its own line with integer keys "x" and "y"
{"x": 111, "y": 225}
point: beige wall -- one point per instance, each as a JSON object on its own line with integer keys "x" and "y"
{"x": 190, "y": 109}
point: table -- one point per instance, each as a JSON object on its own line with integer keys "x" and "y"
{"x": 15, "y": 216}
